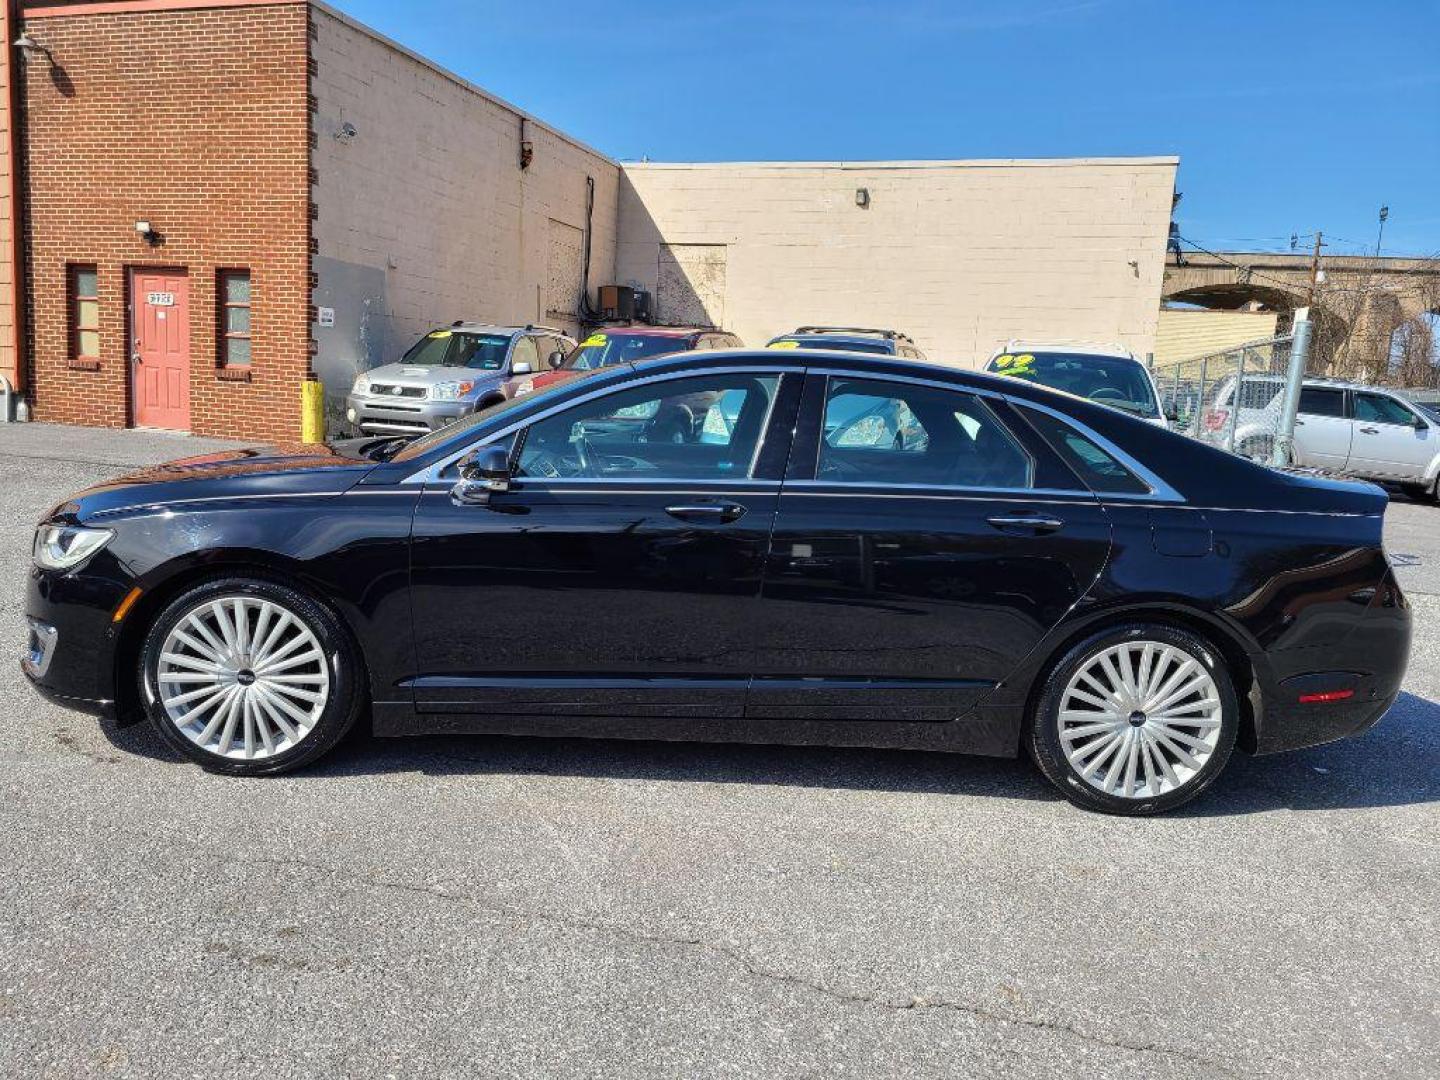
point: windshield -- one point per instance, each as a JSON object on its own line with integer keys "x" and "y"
{"x": 426, "y": 443}
{"x": 1105, "y": 380}
{"x": 825, "y": 342}
{"x": 607, "y": 350}
{"x": 458, "y": 348}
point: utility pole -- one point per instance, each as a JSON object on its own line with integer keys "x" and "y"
{"x": 1384, "y": 213}
{"x": 1315, "y": 265}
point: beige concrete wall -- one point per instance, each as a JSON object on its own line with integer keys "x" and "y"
{"x": 961, "y": 255}
{"x": 1183, "y": 334}
{"x": 425, "y": 215}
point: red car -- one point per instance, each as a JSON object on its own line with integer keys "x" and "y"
{"x": 625, "y": 345}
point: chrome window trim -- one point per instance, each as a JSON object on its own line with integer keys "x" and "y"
{"x": 431, "y": 474}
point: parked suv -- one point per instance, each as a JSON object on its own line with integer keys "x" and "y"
{"x": 448, "y": 374}
{"x": 1364, "y": 431}
{"x": 1105, "y": 374}
{"x": 849, "y": 339}
{"x": 625, "y": 345}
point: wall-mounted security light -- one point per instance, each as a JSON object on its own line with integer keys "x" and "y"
{"x": 862, "y": 198}
{"x": 148, "y": 233}
{"x": 346, "y": 132}
{"x": 28, "y": 46}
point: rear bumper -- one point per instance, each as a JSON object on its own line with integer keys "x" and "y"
{"x": 1346, "y": 688}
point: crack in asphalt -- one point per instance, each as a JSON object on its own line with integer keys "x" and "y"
{"x": 520, "y": 916}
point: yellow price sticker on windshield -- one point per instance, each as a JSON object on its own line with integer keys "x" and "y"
{"x": 594, "y": 340}
{"x": 1015, "y": 365}
{"x": 783, "y": 345}
{"x": 440, "y": 334}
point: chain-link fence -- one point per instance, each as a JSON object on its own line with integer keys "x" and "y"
{"x": 1231, "y": 399}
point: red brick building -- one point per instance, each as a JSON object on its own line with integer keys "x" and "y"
{"x": 167, "y": 166}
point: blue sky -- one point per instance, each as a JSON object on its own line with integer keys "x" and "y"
{"x": 1287, "y": 117}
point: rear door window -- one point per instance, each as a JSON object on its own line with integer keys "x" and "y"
{"x": 1322, "y": 401}
{"x": 879, "y": 432}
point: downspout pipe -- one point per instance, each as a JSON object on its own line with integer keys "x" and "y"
{"x": 11, "y": 104}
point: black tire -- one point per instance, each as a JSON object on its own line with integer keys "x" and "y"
{"x": 1043, "y": 740}
{"x": 340, "y": 659}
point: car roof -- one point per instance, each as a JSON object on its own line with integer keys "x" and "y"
{"x": 494, "y": 328}
{"x": 658, "y": 331}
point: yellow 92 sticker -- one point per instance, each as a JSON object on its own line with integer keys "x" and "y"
{"x": 783, "y": 345}
{"x": 1024, "y": 364}
{"x": 440, "y": 334}
{"x": 594, "y": 340}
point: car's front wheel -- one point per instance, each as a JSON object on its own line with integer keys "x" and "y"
{"x": 249, "y": 677}
{"x": 1137, "y": 719}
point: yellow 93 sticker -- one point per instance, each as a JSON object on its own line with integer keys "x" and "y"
{"x": 440, "y": 334}
{"x": 1022, "y": 364}
{"x": 783, "y": 345}
{"x": 594, "y": 340}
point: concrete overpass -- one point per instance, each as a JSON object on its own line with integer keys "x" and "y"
{"x": 1358, "y": 305}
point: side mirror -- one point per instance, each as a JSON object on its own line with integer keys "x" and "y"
{"x": 484, "y": 473}
{"x": 1172, "y": 414}
{"x": 556, "y": 360}
{"x": 521, "y": 367}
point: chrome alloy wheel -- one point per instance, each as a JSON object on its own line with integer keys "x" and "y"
{"x": 243, "y": 677}
{"x": 1140, "y": 719}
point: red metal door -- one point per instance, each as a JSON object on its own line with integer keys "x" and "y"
{"x": 161, "y": 355}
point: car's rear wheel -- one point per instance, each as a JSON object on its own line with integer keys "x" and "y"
{"x": 1137, "y": 719}
{"x": 249, "y": 677}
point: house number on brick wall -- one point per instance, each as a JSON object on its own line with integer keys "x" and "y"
{"x": 160, "y": 299}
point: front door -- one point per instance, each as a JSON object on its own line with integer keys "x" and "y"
{"x": 1391, "y": 440}
{"x": 918, "y": 557}
{"x": 160, "y": 355}
{"x": 620, "y": 574}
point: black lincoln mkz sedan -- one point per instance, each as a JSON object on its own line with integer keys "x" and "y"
{"x": 807, "y": 547}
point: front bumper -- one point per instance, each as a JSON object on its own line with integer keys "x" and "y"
{"x": 70, "y": 654}
{"x": 374, "y": 415}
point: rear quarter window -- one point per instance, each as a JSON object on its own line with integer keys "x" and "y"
{"x": 1097, "y": 468}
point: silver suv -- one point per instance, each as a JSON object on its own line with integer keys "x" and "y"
{"x": 450, "y": 373}
{"x": 1364, "y": 431}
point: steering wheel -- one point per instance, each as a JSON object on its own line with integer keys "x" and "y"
{"x": 585, "y": 456}
{"x": 1107, "y": 393}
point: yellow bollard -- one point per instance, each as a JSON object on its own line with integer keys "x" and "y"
{"x": 312, "y": 411}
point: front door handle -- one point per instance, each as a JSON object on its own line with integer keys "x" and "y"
{"x": 1369, "y": 431}
{"x": 1037, "y": 523}
{"x": 718, "y": 513}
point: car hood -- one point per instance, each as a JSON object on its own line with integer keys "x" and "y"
{"x": 264, "y": 472}
{"x": 429, "y": 374}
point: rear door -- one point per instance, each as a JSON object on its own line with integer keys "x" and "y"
{"x": 1323, "y": 429}
{"x": 1391, "y": 440}
{"x": 920, "y": 552}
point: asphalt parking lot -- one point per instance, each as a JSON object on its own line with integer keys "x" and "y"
{"x": 515, "y": 907}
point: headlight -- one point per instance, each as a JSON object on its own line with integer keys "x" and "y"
{"x": 61, "y": 547}
{"x": 361, "y": 385}
{"x": 450, "y": 391}
{"x": 525, "y": 387}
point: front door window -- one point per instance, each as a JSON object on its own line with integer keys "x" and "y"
{"x": 703, "y": 428}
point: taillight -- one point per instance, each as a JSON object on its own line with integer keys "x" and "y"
{"x": 1215, "y": 419}
{"x": 1329, "y": 695}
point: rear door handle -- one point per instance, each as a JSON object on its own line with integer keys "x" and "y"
{"x": 719, "y": 513}
{"x": 1369, "y": 431}
{"x": 1026, "y": 522}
